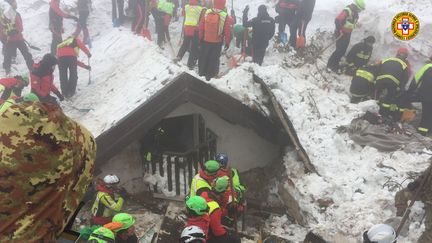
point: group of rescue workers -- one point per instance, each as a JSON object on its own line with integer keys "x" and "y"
{"x": 215, "y": 201}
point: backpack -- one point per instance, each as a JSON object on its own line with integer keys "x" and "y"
{"x": 213, "y": 32}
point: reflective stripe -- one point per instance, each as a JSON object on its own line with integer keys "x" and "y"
{"x": 420, "y": 74}
{"x": 192, "y": 15}
{"x": 8, "y": 103}
{"x": 404, "y": 65}
{"x": 366, "y": 75}
{"x": 198, "y": 183}
{"x": 68, "y": 42}
{"x": 350, "y": 22}
{"x": 363, "y": 56}
{"x": 358, "y": 95}
{"x": 389, "y": 77}
{"x": 392, "y": 107}
{"x": 213, "y": 206}
{"x": 423, "y": 129}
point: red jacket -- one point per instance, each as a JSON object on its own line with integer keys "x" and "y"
{"x": 342, "y": 18}
{"x": 216, "y": 228}
{"x": 16, "y": 35}
{"x": 55, "y": 6}
{"x": 203, "y": 222}
{"x": 190, "y": 30}
{"x": 8, "y": 82}
{"x": 70, "y": 50}
{"x": 226, "y": 35}
{"x": 42, "y": 86}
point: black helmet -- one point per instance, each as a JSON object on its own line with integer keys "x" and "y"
{"x": 49, "y": 60}
{"x": 370, "y": 39}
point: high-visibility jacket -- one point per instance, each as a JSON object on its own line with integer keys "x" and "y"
{"x": 105, "y": 205}
{"x": 347, "y": 19}
{"x": 166, "y": 7}
{"x": 422, "y": 84}
{"x": 394, "y": 69}
{"x": 192, "y": 15}
{"x": 5, "y": 105}
{"x": 215, "y": 212}
{"x": 198, "y": 184}
{"x": 71, "y": 47}
{"x": 7, "y": 86}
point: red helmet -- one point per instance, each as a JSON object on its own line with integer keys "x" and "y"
{"x": 402, "y": 53}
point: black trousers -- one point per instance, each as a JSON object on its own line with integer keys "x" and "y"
{"x": 68, "y": 75}
{"x": 388, "y": 94}
{"x": 302, "y": 26}
{"x": 208, "y": 63}
{"x": 56, "y": 39}
{"x": 118, "y": 11}
{"x": 341, "y": 47}
{"x": 162, "y": 29}
{"x": 426, "y": 121}
{"x": 258, "y": 54}
{"x": 227, "y": 238}
{"x": 360, "y": 89}
{"x": 82, "y": 25}
{"x": 10, "y": 52}
{"x": 289, "y": 19}
{"x": 191, "y": 44}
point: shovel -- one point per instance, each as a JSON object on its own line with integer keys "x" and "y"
{"x": 145, "y": 31}
{"x": 300, "y": 43}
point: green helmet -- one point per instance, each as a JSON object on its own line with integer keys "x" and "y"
{"x": 211, "y": 167}
{"x": 360, "y": 4}
{"x": 30, "y": 97}
{"x": 197, "y": 204}
{"x": 102, "y": 235}
{"x": 221, "y": 184}
{"x": 126, "y": 219}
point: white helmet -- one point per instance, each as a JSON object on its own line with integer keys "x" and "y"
{"x": 192, "y": 234}
{"x": 111, "y": 179}
{"x": 381, "y": 233}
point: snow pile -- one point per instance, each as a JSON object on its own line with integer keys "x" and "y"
{"x": 127, "y": 70}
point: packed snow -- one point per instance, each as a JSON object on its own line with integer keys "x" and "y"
{"x": 127, "y": 70}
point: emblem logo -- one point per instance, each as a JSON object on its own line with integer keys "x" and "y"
{"x": 405, "y": 26}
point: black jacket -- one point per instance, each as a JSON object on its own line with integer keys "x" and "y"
{"x": 395, "y": 69}
{"x": 263, "y": 29}
{"x": 421, "y": 90}
{"x": 305, "y": 10}
{"x": 359, "y": 54}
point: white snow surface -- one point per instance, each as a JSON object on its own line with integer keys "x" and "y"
{"x": 127, "y": 70}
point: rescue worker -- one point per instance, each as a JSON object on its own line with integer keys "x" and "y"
{"x": 192, "y": 15}
{"x": 263, "y": 29}
{"x": 15, "y": 100}
{"x": 107, "y": 202}
{"x": 197, "y": 213}
{"x": 166, "y": 10}
{"x": 118, "y": 14}
{"x": 83, "y": 7}
{"x": 10, "y": 87}
{"x": 420, "y": 90}
{"x": 363, "y": 83}
{"x": 391, "y": 80}
{"x": 48, "y": 160}
{"x": 42, "y": 79}
{"x": 125, "y": 234}
{"x": 402, "y": 197}
{"x": 381, "y": 233}
{"x": 56, "y": 16}
{"x": 101, "y": 235}
{"x": 222, "y": 159}
{"x": 14, "y": 40}
{"x": 192, "y": 234}
{"x": 217, "y": 233}
{"x": 304, "y": 16}
{"x": 214, "y": 31}
{"x": 67, "y": 53}
{"x": 203, "y": 180}
{"x": 287, "y": 12}
{"x": 345, "y": 23}
{"x": 359, "y": 55}
{"x": 139, "y": 12}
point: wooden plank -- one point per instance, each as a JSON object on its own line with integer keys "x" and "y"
{"x": 169, "y": 174}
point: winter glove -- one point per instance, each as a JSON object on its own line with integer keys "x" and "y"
{"x": 88, "y": 67}
{"x": 72, "y": 17}
{"x": 89, "y": 55}
{"x": 412, "y": 186}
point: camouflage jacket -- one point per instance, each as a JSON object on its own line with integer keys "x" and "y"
{"x": 46, "y": 165}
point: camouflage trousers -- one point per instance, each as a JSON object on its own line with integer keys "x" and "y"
{"x": 401, "y": 201}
